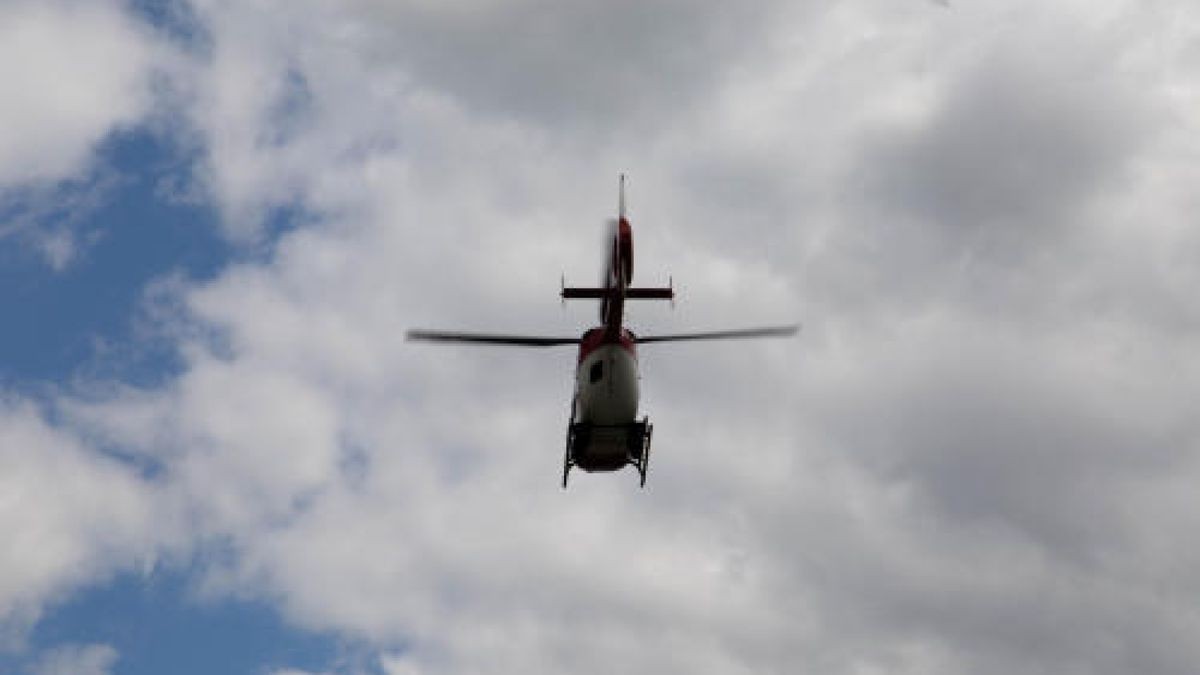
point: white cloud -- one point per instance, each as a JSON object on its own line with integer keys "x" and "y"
{"x": 72, "y": 73}
{"x": 95, "y": 659}
{"x": 69, "y": 515}
{"x": 976, "y": 459}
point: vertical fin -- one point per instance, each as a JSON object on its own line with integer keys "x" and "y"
{"x": 621, "y": 199}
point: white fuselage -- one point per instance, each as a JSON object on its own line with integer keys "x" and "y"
{"x": 607, "y": 386}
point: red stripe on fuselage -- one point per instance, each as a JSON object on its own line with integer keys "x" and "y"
{"x": 597, "y": 337}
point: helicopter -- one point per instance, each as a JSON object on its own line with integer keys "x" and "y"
{"x": 603, "y": 432}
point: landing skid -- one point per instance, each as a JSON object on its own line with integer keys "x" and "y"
{"x": 638, "y": 435}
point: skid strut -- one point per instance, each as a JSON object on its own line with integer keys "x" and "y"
{"x": 567, "y": 458}
{"x": 642, "y": 459}
{"x": 637, "y": 449}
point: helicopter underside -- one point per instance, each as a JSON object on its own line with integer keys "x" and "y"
{"x": 608, "y": 447}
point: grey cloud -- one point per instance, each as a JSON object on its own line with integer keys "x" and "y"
{"x": 1012, "y": 153}
{"x": 996, "y": 200}
{"x": 919, "y": 484}
{"x": 573, "y": 63}
{"x": 914, "y": 516}
{"x": 1028, "y": 437}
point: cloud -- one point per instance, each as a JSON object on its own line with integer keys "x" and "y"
{"x": 568, "y": 64}
{"x": 71, "y": 515}
{"x": 95, "y": 659}
{"x": 1015, "y": 151}
{"x": 75, "y": 72}
{"x": 56, "y": 219}
{"x": 977, "y": 458}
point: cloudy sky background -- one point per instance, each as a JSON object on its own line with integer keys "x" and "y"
{"x": 217, "y": 219}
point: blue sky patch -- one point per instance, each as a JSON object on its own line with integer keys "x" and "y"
{"x": 85, "y": 315}
{"x": 158, "y": 626}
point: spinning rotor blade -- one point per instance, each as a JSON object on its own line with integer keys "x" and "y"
{"x": 488, "y": 339}
{"x": 740, "y": 334}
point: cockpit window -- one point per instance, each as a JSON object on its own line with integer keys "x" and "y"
{"x": 596, "y": 372}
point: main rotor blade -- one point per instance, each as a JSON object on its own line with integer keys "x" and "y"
{"x": 740, "y": 334}
{"x": 488, "y": 339}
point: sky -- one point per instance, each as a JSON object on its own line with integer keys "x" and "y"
{"x": 218, "y": 219}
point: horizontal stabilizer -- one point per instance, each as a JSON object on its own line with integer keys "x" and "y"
{"x": 583, "y": 293}
{"x": 650, "y": 293}
{"x": 630, "y": 293}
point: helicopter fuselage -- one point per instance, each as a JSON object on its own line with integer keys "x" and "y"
{"x": 603, "y": 433}
{"x": 606, "y": 381}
